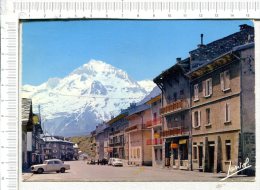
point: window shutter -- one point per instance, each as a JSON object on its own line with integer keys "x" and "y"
{"x": 227, "y": 79}
{"x": 229, "y": 116}
{"x": 204, "y": 87}
{"x": 210, "y": 86}
{"x": 196, "y": 91}
{"x": 193, "y": 120}
{"x": 222, "y": 81}
{"x": 198, "y": 118}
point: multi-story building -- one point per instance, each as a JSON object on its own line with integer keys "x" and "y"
{"x": 101, "y": 138}
{"x": 222, "y": 82}
{"x": 175, "y": 113}
{"x": 117, "y": 126}
{"x": 56, "y": 147}
{"x": 155, "y": 124}
{"x": 30, "y": 134}
{"x": 137, "y": 133}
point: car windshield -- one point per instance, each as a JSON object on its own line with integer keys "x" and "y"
{"x": 45, "y": 162}
{"x": 118, "y": 160}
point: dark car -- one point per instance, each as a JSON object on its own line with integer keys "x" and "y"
{"x": 104, "y": 161}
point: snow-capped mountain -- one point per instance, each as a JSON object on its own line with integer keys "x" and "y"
{"x": 94, "y": 92}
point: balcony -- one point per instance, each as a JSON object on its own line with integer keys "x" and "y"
{"x": 117, "y": 143}
{"x": 174, "y": 107}
{"x": 157, "y": 141}
{"x": 154, "y": 122}
{"x": 177, "y": 131}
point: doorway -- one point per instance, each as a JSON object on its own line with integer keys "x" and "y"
{"x": 200, "y": 156}
{"x": 211, "y": 158}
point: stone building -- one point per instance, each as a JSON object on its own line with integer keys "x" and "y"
{"x": 137, "y": 134}
{"x": 155, "y": 124}
{"x": 175, "y": 113}
{"x": 222, "y": 81}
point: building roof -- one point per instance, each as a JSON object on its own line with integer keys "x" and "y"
{"x": 180, "y": 66}
{"x": 53, "y": 139}
{"x": 154, "y": 99}
{"x": 205, "y": 53}
{"x": 223, "y": 59}
{"x": 26, "y": 111}
{"x": 113, "y": 120}
{"x": 139, "y": 109}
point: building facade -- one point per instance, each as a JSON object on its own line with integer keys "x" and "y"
{"x": 102, "y": 141}
{"x": 223, "y": 103}
{"x": 140, "y": 153}
{"x": 56, "y": 147}
{"x": 175, "y": 113}
{"x": 117, "y": 126}
{"x": 155, "y": 124}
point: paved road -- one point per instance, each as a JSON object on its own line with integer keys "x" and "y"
{"x": 81, "y": 172}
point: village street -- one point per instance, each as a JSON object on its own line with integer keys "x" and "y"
{"x": 80, "y": 171}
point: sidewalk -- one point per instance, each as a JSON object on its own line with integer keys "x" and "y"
{"x": 26, "y": 174}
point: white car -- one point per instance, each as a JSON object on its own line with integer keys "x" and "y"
{"x": 116, "y": 162}
{"x": 52, "y": 165}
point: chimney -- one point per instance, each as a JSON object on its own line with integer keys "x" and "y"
{"x": 178, "y": 59}
{"x": 201, "y": 41}
{"x": 245, "y": 27}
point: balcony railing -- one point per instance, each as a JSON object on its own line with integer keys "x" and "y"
{"x": 157, "y": 141}
{"x": 174, "y": 106}
{"x": 153, "y": 122}
{"x": 177, "y": 131}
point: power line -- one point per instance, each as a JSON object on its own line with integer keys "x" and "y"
{"x": 102, "y": 97}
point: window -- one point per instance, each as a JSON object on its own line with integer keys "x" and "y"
{"x": 138, "y": 153}
{"x": 195, "y": 150}
{"x": 228, "y": 150}
{"x": 208, "y": 121}
{"x": 57, "y": 162}
{"x": 207, "y": 87}
{"x": 196, "y": 92}
{"x": 196, "y": 119}
{"x": 225, "y": 80}
{"x": 175, "y": 96}
{"x": 227, "y": 113}
{"x": 155, "y": 154}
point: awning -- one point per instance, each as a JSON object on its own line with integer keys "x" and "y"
{"x": 183, "y": 141}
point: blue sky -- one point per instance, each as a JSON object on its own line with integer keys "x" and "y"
{"x": 142, "y": 48}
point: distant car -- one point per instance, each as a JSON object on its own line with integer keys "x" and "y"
{"x": 110, "y": 161}
{"x": 116, "y": 162}
{"x": 52, "y": 165}
{"x": 104, "y": 161}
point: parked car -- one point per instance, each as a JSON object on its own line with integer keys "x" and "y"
{"x": 104, "y": 161}
{"x": 52, "y": 165}
{"x": 110, "y": 161}
{"x": 116, "y": 162}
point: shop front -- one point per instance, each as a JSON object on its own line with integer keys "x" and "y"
{"x": 177, "y": 152}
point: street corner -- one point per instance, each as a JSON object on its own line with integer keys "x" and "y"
{"x": 26, "y": 176}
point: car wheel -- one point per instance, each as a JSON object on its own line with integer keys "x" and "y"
{"x": 57, "y": 171}
{"x": 62, "y": 170}
{"x": 40, "y": 171}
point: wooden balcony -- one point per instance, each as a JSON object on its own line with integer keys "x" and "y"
{"x": 177, "y": 131}
{"x": 174, "y": 107}
{"x": 157, "y": 141}
{"x": 154, "y": 122}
